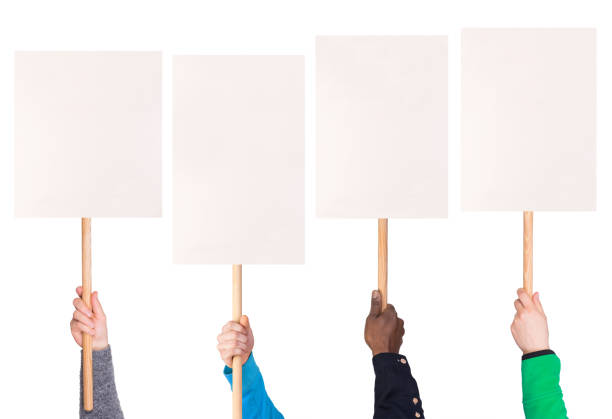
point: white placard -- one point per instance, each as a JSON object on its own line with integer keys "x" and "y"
{"x": 382, "y": 126}
{"x": 238, "y": 187}
{"x": 87, "y": 134}
{"x": 528, "y": 119}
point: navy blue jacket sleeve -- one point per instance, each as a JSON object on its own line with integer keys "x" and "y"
{"x": 396, "y": 394}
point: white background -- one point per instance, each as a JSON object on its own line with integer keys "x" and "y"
{"x": 453, "y": 281}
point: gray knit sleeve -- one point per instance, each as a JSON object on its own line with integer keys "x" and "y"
{"x": 106, "y": 401}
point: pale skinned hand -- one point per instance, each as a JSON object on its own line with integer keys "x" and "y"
{"x": 383, "y": 329}
{"x": 529, "y": 327}
{"x": 236, "y": 339}
{"x": 89, "y": 321}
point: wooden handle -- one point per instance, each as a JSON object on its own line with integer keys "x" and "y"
{"x": 382, "y": 260}
{"x": 86, "y": 297}
{"x": 528, "y": 252}
{"x": 237, "y": 361}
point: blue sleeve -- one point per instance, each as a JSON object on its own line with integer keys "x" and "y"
{"x": 255, "y": 401}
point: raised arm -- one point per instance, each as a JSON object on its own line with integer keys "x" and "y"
{"x": 540, "y": 368}
{"x": 236, "y": 339}
{"x": 396, "y": 394}
{"x": 84, "y": 320}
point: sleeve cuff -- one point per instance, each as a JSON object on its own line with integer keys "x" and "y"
{"x": 250, "y": 373}
{"x": 537, "y": 353}
{"x": 101, "y": 359}
{"x": 385, "y": 361}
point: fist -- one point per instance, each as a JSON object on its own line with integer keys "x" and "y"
{"x": 236, "y": 339}
{"x": 383, "y": 329}
{"x": 529, "y": 327}
{"x": 91, "y": 321}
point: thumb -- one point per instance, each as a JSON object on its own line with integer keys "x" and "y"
{"x": 95, "y": 304}
{"x": 376, "y": 306}
{"x": 244, "y": 321}
{"x": 537, "y": 302}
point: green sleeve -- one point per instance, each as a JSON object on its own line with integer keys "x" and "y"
{"x": 542, "y": 396}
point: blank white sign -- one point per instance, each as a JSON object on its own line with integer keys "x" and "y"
{"x": 238, "y": 187}
{"x": 382, "y": 126}
{"x": 87, "y": 134}
{"x": 528, "y": 119}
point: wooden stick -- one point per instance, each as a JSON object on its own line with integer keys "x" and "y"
{"x": 382, "y": 260}
{"x": 528, "y": 252}
{"x": 86, "y": 297}
{"x": 237, "y": 361}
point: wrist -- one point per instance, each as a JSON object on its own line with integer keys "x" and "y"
{"x": 381, "y": 350}
{"x": 536, "y": 349}
{"x": 99, "y": 345}
{"x": 246, "y": 357}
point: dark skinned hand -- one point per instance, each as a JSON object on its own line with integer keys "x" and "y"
{"x": 383, "y": 329}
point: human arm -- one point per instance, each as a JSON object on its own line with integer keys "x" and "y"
{"x": 540, "y": 367}
{"x": 236, "y": 339}
{"x": 396, "y": 394}
{"x": 93, "y": 322}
